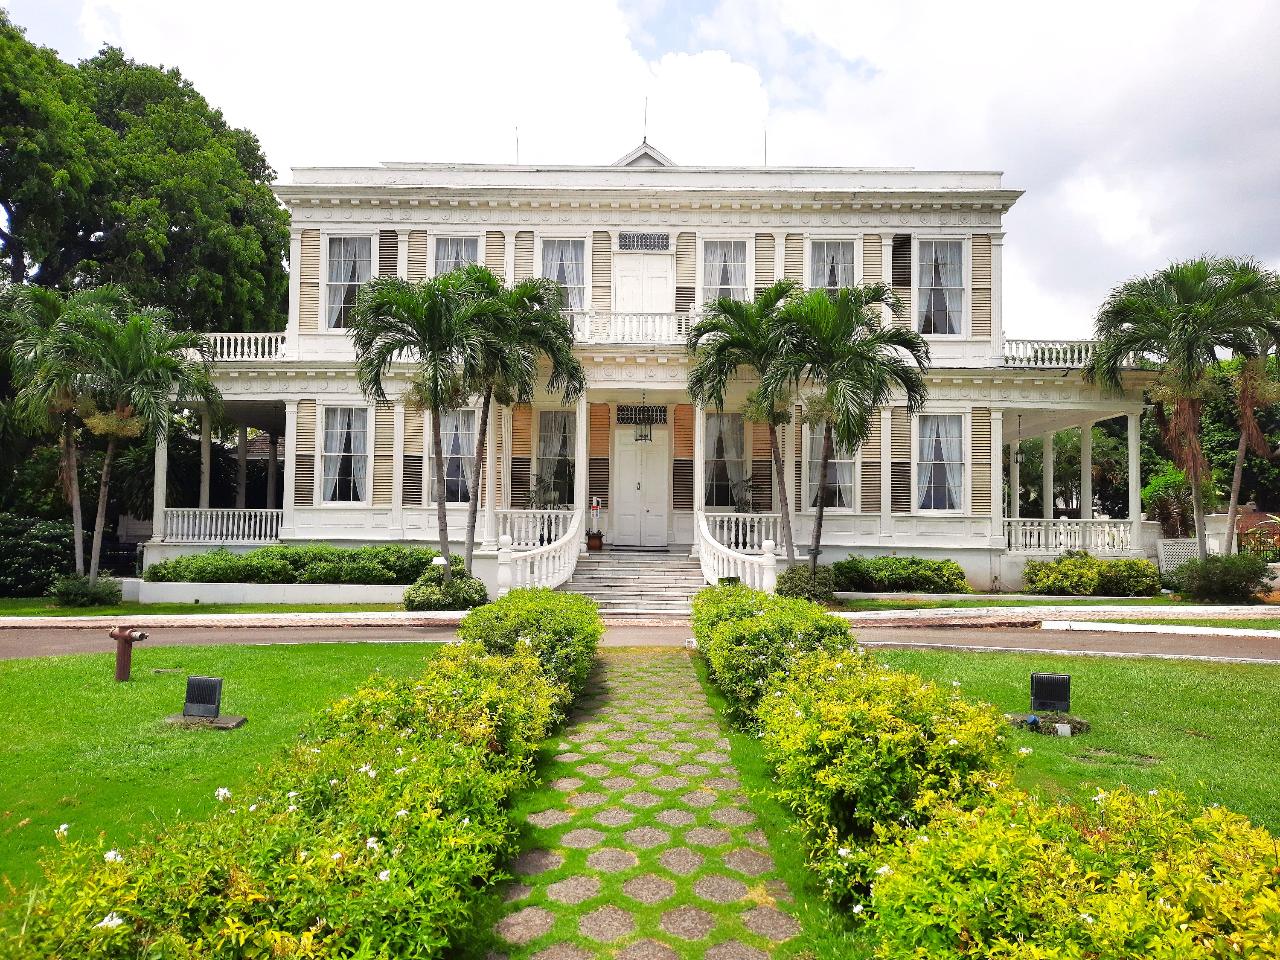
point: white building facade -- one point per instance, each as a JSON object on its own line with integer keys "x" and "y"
{"x": 639, "y": 247}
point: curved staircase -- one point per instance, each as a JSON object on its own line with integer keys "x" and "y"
{"x": 638, "y": 583}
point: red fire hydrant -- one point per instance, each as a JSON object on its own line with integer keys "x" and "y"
{"x": 125, "y": 638}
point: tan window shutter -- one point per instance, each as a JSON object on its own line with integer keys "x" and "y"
{"x": 900, "y": 480}
{"x": 388, "y": 253}
{"x": 495, "y": 253}
{"x": 309, "y": 284}
{"x": 793, "y": 257}
{"x": 870, "y": 494}
{"x": 761, "y": 468}
{"x": 411, "y": 485}
{"x": 598, "y": 427}
{"x": 797, "y": 420}
{"x": 980, "y": 315}
{"x": 682, "y": 461}
{"x": 524, "y": 255}
{"x": 304, "y": 455}
{"x": 498, "y": 450}
{"x": 980, "y": 455}
{"x": 417, "y": 256}
{"x": 903, "y": 280}
{"x": 384, "y": 451}
{"x": 521, "y": 450}
{"x": 686, "y": 271}
{"x": 601, "y": 271}
{"x": 873, "y": 264}
{"x": 764, "y": 260}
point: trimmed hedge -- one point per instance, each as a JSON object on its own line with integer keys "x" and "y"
{"x": 1130, "y": 876}
{"x": 1222, "y": 579}
{"x": 431, "y": 592}
{"x": 796, "y": 581}
{"x": 899, "y": 575}
{"x": 1078, "y": 573}
{"x": 74, "y": 590}
{"x": 33, "y": 554}
{"x": 384, "y": 564}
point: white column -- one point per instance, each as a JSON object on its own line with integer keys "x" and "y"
{"x": 160, "y": 486}
{"x": 397, "y": 467}
{"x": 580, "y": 504}
{"x": 509, "y": 256}
{"x": 292, "y": 344}
{"x": 491, "y": 468}
{"x": 290, "y": 463}
{"x": 273, "y": 471}
{"x": 242, "y": 465}
{"x": 1015, "y": 481}
{"x": 886, "y": 473}
{"x": 206, "y": 452}
{"x": 997, "y": 288}
{"x": 997, "y": 474}
{"x": 1135, "y": 479}
{"x": 699, "y": 465}
{"x": 402, "y": 254}
{"x": 1046, "y": 476}
{"x": 1086, "y": 470}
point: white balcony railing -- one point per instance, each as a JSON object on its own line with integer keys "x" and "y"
{"x": 548, "y": 565}
{"x": 1059, "y": 536}
{"x": 246, "y": 346}
{"x": 194, "y": 525}
{"x": 647, "y": 328}
{"x": 533, "y": 528}
{"x": 745, "y": 532}
{"x": 1071, "y": 354}
{"x": 756, "y": 570}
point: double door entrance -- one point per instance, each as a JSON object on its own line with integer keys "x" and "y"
{"x": 641, "y": 488}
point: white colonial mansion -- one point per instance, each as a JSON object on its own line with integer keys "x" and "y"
{"x": 639, "y": 246}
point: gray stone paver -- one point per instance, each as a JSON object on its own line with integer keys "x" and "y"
{"x": 642, "y": 754}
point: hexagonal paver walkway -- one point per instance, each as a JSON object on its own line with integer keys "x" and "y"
{"x": 634, "y": 849}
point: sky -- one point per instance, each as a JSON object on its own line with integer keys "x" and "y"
{"x": 1142, "y": 131}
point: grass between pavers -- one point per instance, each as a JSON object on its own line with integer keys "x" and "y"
{"x": 1244, "y": 623}
{"x": 43, "y": 607}
{"x": 920, "y": 604}
{"x": 1206, "y": 729}
{"x": 83, "y": 750}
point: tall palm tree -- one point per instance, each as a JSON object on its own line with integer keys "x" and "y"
{"x": 837, "y": 345}
{"x": 1183, "y": 319}
{"x": 432, "y": 324}
{"x": 738, "y": 335}
{"x": 134, "y": 366}
{"x": 524, "y": 325}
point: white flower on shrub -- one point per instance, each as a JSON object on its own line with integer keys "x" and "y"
{"x": 857, "y": 908}
{"x": 843, "y": 852}
{"x": 112, "y": 856}
{"x": 955, "y": 683}
{"x": 402, "y": 813}
{"x": 466, "y": 821}
{"x": 1086, "y": 918}
{"x": 291, "y": 794}
{"x": 372, "y": 844}
{"x": 336, "y": 856}
{"x": 884, "y": 871}
{"x": 253, "y": 807}
{"x": 333, "y": 783}
{"x": 222, "y": 793}
{"x": 1100, "y": 796}
{"x": 1024, "y": 751}
{"x": 953, "y": 742}
{"x": 368, "y": 770}
{"x": 291, "y": 808}
{"x": 1152, "y": 792}
{"x": 400, "y": 770}
{"x": 109, "y": 922}
{"x": 61, "y": 832}
{"x": 384, "y": 875}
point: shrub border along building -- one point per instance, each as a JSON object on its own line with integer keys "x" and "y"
{"x": 899, "y": 574}
{"x": 376, "y": 835}
{"x": 316, "y": 564}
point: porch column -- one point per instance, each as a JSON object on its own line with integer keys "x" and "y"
{"x": 491, "y": 468}
{"x": 242, "y": 465}
{"x": 206, "y": 452}
{"x": 580, "y": 504}
{"x": 1046, "y": 476}
{"x": 1015, "y": 481}
{"x": 1135, "y": 480}
{"x": 273, "y": 468}
{"x": 1086, "y": 470}
{"x": 160, "y": 486}
{"x": 290, "y": 463}
{"x": 699, "y": 466}
{"x": 997, "y": 474}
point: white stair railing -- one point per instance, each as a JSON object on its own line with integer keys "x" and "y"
{"x": 195, "y": 525}
{"x": 1059, "y": 536}
{"x": 746, "y": 532}
{"x": 533, "y": 528}
{"x": 758, "y": 571}
{"x": 548, "y": 565}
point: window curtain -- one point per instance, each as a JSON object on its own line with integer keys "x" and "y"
{"x": 454, "y": 252}
{"x": 562, "y": 261}
{"x": 349, "y": 261}
{"x": 839, "y": 472}
{"x": 941, "y": 285}
{"x": 345, "y": 448}
{"x": 458, "y": 440}
{"x": 940, "y": 468}
{"x": 831, "y": 265}
{"x": 557, "y": 433}
{"x": 724, "y": 269}
{"x": 725, "y": 446}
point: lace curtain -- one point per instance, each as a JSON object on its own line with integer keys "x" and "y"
{"x": 724, "y": 269}
{"x": 557, "y": 433}
{"x": 458, "y": 442}
{"x": 345, "y": 454}
{"x": 349, "y": 266}
{"x": 562, "y": 261}
{"x": 941, "y": 286}
{"x": 725, "y": 468}
{"x": 940, "y": 465}
{"x": 831, "y": 264}
{"x": 454, "y": 252}
{"x": 839, "y": 472}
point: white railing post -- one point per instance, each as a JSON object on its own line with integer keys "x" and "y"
{"x": 769, "y": 568}
{"x": 504, "y": 565}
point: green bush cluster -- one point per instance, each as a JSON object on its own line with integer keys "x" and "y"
{"x": 797, "y": 581}
{"x": 1078, "y": 573}
{"x": 33, "y": 554}
{"x": 1131, "y": 876}
{"x": 75, "y": 590}
{"x": 384, "y": 564}
{"x": 431, "y": 592}
{"x": 1231, "y": 578}
{"x": 899, "y": 575}
{"x": 375, "y": 836}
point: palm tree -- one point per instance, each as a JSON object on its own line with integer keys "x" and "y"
{"x": 523, "y": 325}
{"x": 432, "y": 324}
{"x": 134, "y": 366}
{"x": 1183, "y": 319}
{"x": 742, "y": 334}
{"x": 838, "y": 345}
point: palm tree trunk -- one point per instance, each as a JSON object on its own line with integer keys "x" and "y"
{"x": 822, "y": 500}
{"x": 100, "y": 521}
{"x": 71, "y": 486}
{"x": 1197, "y": 507}
{"x": 442, "y": 514}
{"x": 1233, "y": 508}
{"x": 473, "y": 507}
{"x": 780, "y": 469}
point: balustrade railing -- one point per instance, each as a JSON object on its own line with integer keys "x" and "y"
{"x": 649, "y": 328}
{"x": 745, "y": 532}
{"x": 533, "y": 528}
{"x": 1048, "y": 353}
{"x": 1059, "y": 536}
{"x": 195, "y": 525}
{"x": 548, "y": 565}
{"x": 756, "y": 570}
{"x": 246, "y": 346}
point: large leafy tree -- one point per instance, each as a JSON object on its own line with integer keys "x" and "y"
{"x": 524, "y": 327}
{"x": 838, "y": 347}
{"x": 113, "y": 171}
{"x": 1184, "y": 319}
{"x": 736, "y": 336}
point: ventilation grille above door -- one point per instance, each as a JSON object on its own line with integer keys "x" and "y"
{"x": 644, "y": 241}
{"x": 629, "y": 413}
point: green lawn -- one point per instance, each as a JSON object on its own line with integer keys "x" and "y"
{"x": 42, "y": 607}
{"x": 1208, "y": 730}
{"x": 1261, "y": 623}
{"x": 83, "y": 750}
{"x": 1011, "y": 601}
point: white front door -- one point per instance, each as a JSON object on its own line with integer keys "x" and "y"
{"x": 644, "y": 283}
{"x": 641, "y": 488}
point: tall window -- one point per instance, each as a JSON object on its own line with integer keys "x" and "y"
{"x": 839, "y": 472}
{"x": 454, "y": 252}
{"x": 724, "y": 269}
{"x": 458, "y": 442}
{"x": 941, "y": 286}
{"x": 831, "y": 265}
{"x": 557, "y": 432}
{"x": 724, "y": 461}
{"x": 350, "y": 265}
{"x": 563, "y": 262}
{"x": 346, "y": 454}
{"x": 940, "y": 464}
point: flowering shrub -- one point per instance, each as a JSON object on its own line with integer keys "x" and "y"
{"x": 373, "y": 837}
{"x": 713, "y": 606}
{"x": 861, "y": 752}
{"x": 561, "y": 629}
{"x": 1132, "y": 876}
{"x": 389, "y": 563}
{"x": 899, "y": 574}
{"x": 796, "y": 581}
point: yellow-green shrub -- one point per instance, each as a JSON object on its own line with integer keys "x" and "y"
{"x": 713, "y": 606}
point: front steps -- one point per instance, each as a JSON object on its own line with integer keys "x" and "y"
{"x": 638, "y": 583}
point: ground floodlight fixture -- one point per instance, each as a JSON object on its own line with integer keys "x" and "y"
{"x": 1051, "y": 692}
{"x": 204, "y": 697}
